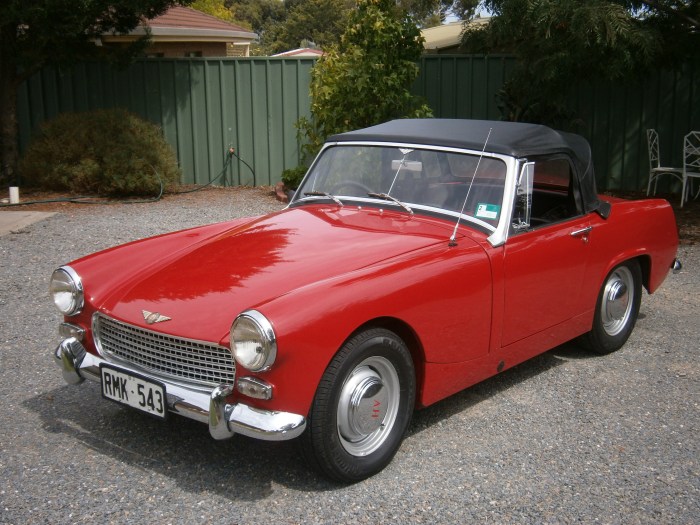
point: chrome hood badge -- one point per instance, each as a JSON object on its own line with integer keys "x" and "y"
{"x": 154, "y": 317}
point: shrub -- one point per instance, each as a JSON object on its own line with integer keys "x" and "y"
{"x": 105, "y": 152}
{"x": 292, "y": 176}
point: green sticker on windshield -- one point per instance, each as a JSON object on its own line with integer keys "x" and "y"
{"x": 487, "y": 211}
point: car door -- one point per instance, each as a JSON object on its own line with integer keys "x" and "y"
{"x": 545, "y": 262}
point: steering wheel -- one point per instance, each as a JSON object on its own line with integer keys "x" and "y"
{"x": 350, "y": 184}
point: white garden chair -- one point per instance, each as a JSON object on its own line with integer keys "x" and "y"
{"x": 656, "y": 170}
{"x": 691, "y": 164}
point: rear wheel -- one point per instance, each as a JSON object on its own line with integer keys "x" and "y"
{"x": 617, "y": 309}
{"x": 362, "y": 407}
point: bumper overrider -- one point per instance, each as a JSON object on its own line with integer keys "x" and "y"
{"x": 224, "y": 419}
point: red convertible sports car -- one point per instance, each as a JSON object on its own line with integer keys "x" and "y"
{"x": 417, "y": 258}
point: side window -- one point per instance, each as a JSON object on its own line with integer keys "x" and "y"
{"x": 555, "y": 195}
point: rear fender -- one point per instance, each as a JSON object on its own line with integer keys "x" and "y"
{"x": 644, "y": 230}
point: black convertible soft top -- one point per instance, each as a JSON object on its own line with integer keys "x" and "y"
{"x": 517, "y": 139}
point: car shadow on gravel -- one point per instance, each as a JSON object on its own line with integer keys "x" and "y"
{"x": 472, "y": 396}
{"x": 99, "y": 433}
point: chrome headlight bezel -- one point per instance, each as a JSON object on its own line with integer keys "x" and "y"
{"x": 66, "y": 291}
{"x": 253, "y": 341}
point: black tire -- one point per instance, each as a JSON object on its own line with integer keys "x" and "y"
{"x": 616, "y": 310}
{"x": 362, "y": 408}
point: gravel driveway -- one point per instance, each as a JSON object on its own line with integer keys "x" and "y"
{"x": 564, "y": 438}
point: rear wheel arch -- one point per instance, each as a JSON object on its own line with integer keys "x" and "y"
{"x": 617, "y": 307}
{"x": 645, "y": 266}
{"x": 643, "y": 260}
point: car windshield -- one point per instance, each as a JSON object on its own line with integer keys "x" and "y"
{"x": 422, "y": 179}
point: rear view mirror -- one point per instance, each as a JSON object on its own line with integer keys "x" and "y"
{"x": 407, "y": 165}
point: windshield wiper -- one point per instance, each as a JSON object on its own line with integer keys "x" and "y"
{"x": 324, "y": 194}
{"x": 387, "y": 197}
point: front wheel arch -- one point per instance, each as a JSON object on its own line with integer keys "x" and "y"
{"x": 408, "y": 335}
{"x": 372, "y": 372}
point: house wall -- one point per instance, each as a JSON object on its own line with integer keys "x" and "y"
{"x": 180, "y": 49}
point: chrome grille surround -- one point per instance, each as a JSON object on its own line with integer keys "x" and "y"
{"x": 185, "y": 361}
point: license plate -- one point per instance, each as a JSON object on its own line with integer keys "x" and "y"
{"x": 134, "y": 390}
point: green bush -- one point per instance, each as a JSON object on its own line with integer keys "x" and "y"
{"x": 292, "y": 176}
{"x": 105, "y": 152}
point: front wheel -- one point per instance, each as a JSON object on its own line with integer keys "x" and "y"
{"x": 362, "y": 407}
{"x": 617, "y": 309}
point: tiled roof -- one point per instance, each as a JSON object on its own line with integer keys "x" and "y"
{"x": 186, "y": 17}
{"x": 185, "y": 23}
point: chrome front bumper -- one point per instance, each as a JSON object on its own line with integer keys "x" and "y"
{"x": 224, "y": 419}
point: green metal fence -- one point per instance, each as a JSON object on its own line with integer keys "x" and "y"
{"x": 204, "y": 106}
{"x": 614, "y": 117}
{"x": 462, "y": 86}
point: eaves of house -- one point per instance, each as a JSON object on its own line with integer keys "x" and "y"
{"x": 305, "y": 52}
{"x": 447, "y": 38}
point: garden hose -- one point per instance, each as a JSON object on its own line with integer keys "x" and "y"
{"x": 82, "y": 199}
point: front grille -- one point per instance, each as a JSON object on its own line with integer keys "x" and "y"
{"x": 184, "y": 360}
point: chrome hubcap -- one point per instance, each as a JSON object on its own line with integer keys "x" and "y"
{"x": 616, "y": 306}
{"x": 368, "y": 406}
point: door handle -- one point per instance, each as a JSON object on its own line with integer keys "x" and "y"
{"x": 583, "y": 232}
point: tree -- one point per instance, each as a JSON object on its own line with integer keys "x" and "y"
{"x": 34, "y": 34}
{"x": 366, "y": 79}
{"x": 258, "y": 13}
{"x": 427, "y": 12}
{"x": 284, "y": 24}
{"x": 215, "y": 8}
{"x": 558, "y": 43}
{"x": 683, "y": 13}
{"x": 318, "y": 21}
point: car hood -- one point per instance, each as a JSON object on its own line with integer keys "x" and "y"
{"x": 203, "y": 280}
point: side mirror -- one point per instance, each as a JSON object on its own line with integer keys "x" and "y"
{"x": 523, "y": 197}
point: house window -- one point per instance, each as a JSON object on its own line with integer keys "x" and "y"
{"x": 193, "y": 54}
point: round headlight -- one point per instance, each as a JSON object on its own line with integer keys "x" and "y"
{"x": 253, "y": 341}
{"x": 66, "y": 290}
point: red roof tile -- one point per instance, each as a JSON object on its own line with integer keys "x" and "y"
{"x": 185, "y": 17}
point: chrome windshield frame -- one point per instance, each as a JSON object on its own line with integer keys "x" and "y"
{"x": 498, "y": 234}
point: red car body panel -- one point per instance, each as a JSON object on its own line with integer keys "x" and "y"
{"x": 466, "y": 310}
{"x": 635, "y": 229}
